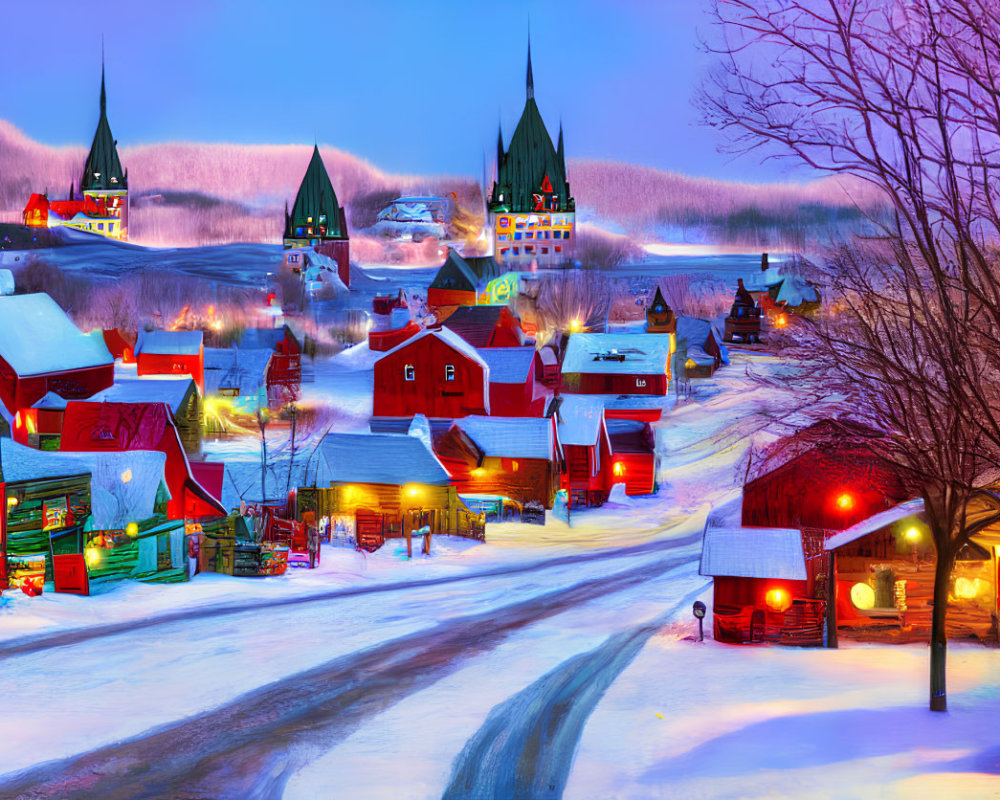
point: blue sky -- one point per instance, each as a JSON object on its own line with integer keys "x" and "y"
{"x": 413, "y": 87}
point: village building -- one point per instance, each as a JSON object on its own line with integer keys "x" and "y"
{"x": 392, "y": 329}
{"x": 882, "y": 571}
{"x": 317, "y": 220}
{"x": 617, "y": 363}
{"x": 586, "y": 447}
{"x": 102, "y": 207}
{"x": 238, "y": 379}
{"x": 284, "y": 375}
{"x": 386, "y": 485}
{"x": 743, "y": 322}
{"x": 504, "y": 457}
{"x": 435, "y": 373}
{"x": 633, "y": 455}
{"x": 486, "y": 326}
{"x": 172, "y": 353}
{"x": 514, "y": 391}
{"x": 531, "y": 211}
{"x": 700, "y": 347}
{"x": 180, "y": 394}
{"x": 45, "y": 352}
{"x": 660, "y": 318}
{"x": 454, "y": 285}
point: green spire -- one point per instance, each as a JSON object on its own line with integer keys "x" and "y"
{"x": 103, "y": 168}
{"x": 316, "y": 205}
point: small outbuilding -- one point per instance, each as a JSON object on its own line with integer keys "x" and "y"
{"x": 617, "y": 363}
{"x": 172, "y": 353}
{"x": 455, "y": 284}
{"x": 514, "y": 391}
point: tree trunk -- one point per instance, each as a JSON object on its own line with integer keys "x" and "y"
{"x": 939, "y": 632}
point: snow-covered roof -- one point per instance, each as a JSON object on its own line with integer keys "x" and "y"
{"x": 51, "y": 401}
{"x": 37, "y": 337}
{"x": 548, "y": 356}
{"x": 753, "y": 553}
{"x": 580, "y": 418}
{"x": 617, "y": 353}
{"x": 386, "y": 458}
{"x": 115, "y": 501}
{"x": 874, "y": 523}
{"x": 172, "y": 343}
{"x": 234, "y": 368}
{"x": 696, "y": 331}
{"x": 167, "y": 389}
{"x": 447, "y": 336}
{"x": 508, "y": 364}
{"x": 796, "y": 290}
{"x": 510, "y": 437}
{"x": 762, "y": 281}
{"x": 20, "y": 463}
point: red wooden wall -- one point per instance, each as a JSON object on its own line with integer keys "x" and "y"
{"x": 599, "y": 383}
{"x": 17, "y": 392}
{"x": 166, "y": 364}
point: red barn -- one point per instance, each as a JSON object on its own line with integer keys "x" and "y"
{"x": 118, "y": 427}
{"x": 486, "y": 326}
{"x": 42, "y": 351}
{"x": 172, "y": 353}
{"x": 821, "y": 477}
{"x": 583, "y": 436}
{"x": 633, "y": 455}
{"x": 617, "y": 363}
{"x": 435, "y": 373}
{"x": 513, "y": 390}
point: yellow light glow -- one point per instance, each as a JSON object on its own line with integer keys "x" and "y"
{"x": 30, "y": 422}
{"x": 777, "y": 599}
{"x": 478, "y": 472}
{"x": 126, "y": 476}
{"x": 912, "y": 535}
{"x": 414, "y": 492}
{"x": 11, "y": 502}
{"x": 965, "y": 588}
{"x": 845, "y": 502}
{"x": 132, "y": 529}
{"x": 92, "y": 556}
{"x": 574, "y": 325}
{"x": 689, "y": 364}
{"x": 781, "y": 321}
{"x": 863, "y": 596}
{"x": 619, "y": 468}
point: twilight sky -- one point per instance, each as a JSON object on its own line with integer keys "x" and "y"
{"x": 413, "y": 86}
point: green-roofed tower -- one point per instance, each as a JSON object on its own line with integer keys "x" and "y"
{"x": 531, "y": 209}
{"x": 316, "y": 219}
{"x": 103, "y": 177}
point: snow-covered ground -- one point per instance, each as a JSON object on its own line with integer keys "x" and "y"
{"x": 549, "y": 661}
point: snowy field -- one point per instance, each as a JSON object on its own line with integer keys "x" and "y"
{"x": 549, "y": 661}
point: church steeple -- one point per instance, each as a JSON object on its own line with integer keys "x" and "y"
{"x": 530, "y": 81}
{"x": 103, "y": 168}
{"x": 316, "y": 213}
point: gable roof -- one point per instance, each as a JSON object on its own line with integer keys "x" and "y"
{"x": 875, "y": 522}
{"x": 508, "y": 364}
{"x": 476, "y": 324}
{"x": 37, "y": 337}
{"x": 167, "y": 389}
{"x": 511, "y": 437}
{"x": 171, "y": 343}
{"x": 20, "y": 463}
{"x": 753, "y": 553}
{"x": 486, "y": 268}
{"x": 385, "y": 458}
{"x": 617, "y": 353}
{"x": 103, "y": 168}
{"x": 580, "y": 419}
{"x": 235, "y": 368}
{"x": 447, "y": 336}
{"x": 455, "y": 271}
{"x": 316, "y": 198}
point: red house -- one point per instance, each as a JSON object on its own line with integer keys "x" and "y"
{"x": 513, "y": 389}
{"x": 172, "y": 353}
{"x": 633, "y": 455}
{"x": 435, "y": 373}
{"x": 822, "y": 477}
{"x": 117, "y": 427}
{"x": 486, "y": 326}
{"x": 583, "y": 436}
{"x": 42, "y": 351}
{"x": 392, "y": 329}
{"x": 617, "y": 363}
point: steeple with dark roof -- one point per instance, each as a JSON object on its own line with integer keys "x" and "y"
{"x": 316, "y": 213}
{"x": 531, "y": 167}
{"x": 103, "y": 168}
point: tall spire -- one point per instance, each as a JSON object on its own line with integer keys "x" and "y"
{"x": 499, "y": 148}
{"x": 560, "y": 152}
{"x": 530, "y": 77}
{"x": 104, "y": 97}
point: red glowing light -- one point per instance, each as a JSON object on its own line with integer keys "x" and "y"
{"x": 845, "y": 502}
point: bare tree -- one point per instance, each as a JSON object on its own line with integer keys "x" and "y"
{"x": 905, "y": 96}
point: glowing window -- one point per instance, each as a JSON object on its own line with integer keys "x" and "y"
{"x": 863, "y": 596}
{"x": 449, "y": 372}
{"x": 410, "y": 372}
{"x": 778, "y": 599}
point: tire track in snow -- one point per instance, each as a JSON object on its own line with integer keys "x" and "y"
{"x": 527, "y": 744}
{"x": 34, "y": 644}
{"x": 249, "y": 748}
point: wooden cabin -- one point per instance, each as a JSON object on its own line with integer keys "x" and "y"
{"x": 516, "y": 458}
{"x": 284, "y": 374}
{"x": 617, "y": 363}
{"x": 883, "y": 573}
{"x": 42, "y": 351}
{"x": 703, "y": 351}
{"x": 820, "y": 477}
{"x": 179, "y": 394}
{"x": 237, "y": 378}
{"x": 486, "y": 326}
{"x": 435, "y": 373}
{"x": 119, "y": 427}
{"x": 743, "y": 322}
{"x": 583, "y": 437}
{"x": 762, "y": 587}
{"x": 514, "y": 391}
{"x": 172, "y": 353}
{"x": 454, "y": 285}
{"x": 660, "y": 317}
{"x": 384, "y": 485}
{"x": 633, "y": 455}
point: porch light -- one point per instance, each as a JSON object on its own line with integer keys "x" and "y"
{"x": 11, "y": 502}
{"x": 912, "y": 535}
{"x": 132, "y": 530}
{"x": 863, "y": 596}
{"x": 575, "y": 326}
{"x": 845, "y": 502}
{"x": 92, "y": 556}
{"x": 966, "y": 589}
{"x": 126, "y": 476}
{"x": 781, "y": 321}
{"x": 478, "y": 472}
{"x": 777, "y": 599}
{"x": 619, "y": 468}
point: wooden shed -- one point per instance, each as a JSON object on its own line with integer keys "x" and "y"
{"x": 617, "y": 363}
{"x": 42, "y": 351}
{"x": 435, "y": 373}
{"x": 514, "y": 391}
{"x": 883, "y": 573}
{"x": 486, "y": 326}
{"x": 702, "y": 346}
{"x": 172, "y": 353}
{"x": 516, "y": 458}
{"x": 762, "y": 588}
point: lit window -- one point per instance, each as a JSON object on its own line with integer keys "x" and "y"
{"x": 619, "y": 468}
{"x": 449, "y": 372}
{"x": 410, "y": 372}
